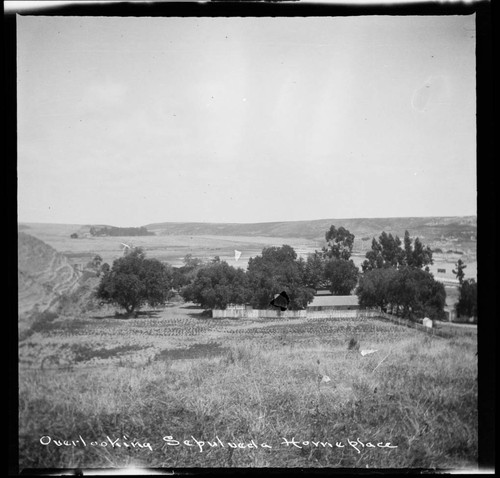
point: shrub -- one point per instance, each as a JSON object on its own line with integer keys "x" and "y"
{"x": 353, "y": 344}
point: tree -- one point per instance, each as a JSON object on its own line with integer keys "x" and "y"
{"x": 391, "y": 250}
{"x": 374, "y": 259}
{"x": 374, "y": 288}
{"x": 134, "y": 281}
{"x": 315, "y": 271}
{"x": 459, "y": 271}
{"x": 186, "y": 274}
{"x": 157, "y": 279}
{"x": 95, "y": 264}
{"x": 408, "y": 250}
{"x": 339, "y": 243}
{"x": 436, "y": 301}
{"x": 387, "y": 252}
{"x": 417, "y": 293}
{"x": 216, "y": 286}
{"x": 341, "y": 276}
{"x": 192, "y": 262}
{"x": 416, "y": 255}
{"x": 277, "y": 270}
{"x": 467, "y": 299}
{"x": 422, "y": 256}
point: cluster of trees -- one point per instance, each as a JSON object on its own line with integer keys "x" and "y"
{"x": 275, "y": 270}
{"x": 396, "y": 278}
{"x": 278, "y": 269}
{"x": 134, "y": 280}
{"x": 120, "y": 231}
{"x": 389, "y": 251}
{"x": 407, "y": 292}
{"x": 217, "y": 284}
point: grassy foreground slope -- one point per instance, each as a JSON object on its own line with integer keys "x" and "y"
{"x": 110, "y": 382}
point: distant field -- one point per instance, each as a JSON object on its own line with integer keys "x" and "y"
{"x": 172, "y": 248}
{"x": 168, "y": 248}
{"x": 99, "y": 379}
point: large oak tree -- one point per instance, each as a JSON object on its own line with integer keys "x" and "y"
{"x": 134, "y": 281}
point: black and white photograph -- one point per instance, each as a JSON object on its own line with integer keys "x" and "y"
{"x": 247, "y": 242}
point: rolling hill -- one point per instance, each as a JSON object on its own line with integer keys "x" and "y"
{"x": 430, "y": 228}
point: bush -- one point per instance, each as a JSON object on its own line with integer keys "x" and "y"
{"x": 353, "y": 344}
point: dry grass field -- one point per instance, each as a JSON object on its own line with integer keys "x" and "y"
{"x": 174, "y": 388}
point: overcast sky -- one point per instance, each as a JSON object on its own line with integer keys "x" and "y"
{"x": 129, "y": 121}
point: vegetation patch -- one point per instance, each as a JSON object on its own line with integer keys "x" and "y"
{"x": 42, "y": 322}
{"x": 83, "y": 352}
{"x": 195, "y": 351}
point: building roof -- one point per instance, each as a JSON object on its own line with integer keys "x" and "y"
{"x": 323, "y": 292}
{"x": 334, "y": 300}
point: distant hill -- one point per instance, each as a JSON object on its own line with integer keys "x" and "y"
{"x": 432, "y": 228}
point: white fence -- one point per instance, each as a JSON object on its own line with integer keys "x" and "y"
{"x": 257, "y": 314}
{"x": 293, "y": 314}
{"x": 333, "y": 314}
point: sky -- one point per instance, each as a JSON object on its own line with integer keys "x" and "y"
{"x": 131, "y": 121}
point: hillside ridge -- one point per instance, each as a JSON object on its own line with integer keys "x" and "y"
{"x": 43, "y": 276}
{"x": 315, "y": 229}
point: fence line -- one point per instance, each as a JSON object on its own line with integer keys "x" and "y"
{"x": 413, "y": 325}
{"x": 294, "y": 314}
{"x": 290, "y": 314}
{"x": 362, "y": 314}
{"x": 257, "y": 314}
